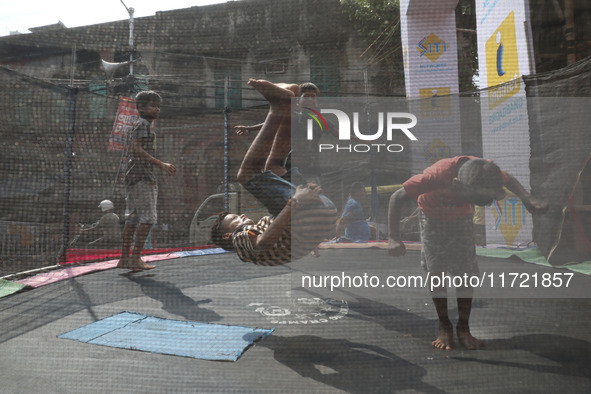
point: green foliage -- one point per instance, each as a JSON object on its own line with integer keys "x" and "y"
{"x": 468, "y": 45}
{"x": 377, "y": 22}
{"x": 371, "y": 17}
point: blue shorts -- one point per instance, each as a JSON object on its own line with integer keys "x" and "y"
{"x": 274, "y": 191}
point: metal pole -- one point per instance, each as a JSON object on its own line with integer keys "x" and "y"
{"x": 569, "y": 30}
{"x": 131, "y": 24}
{"x": 375, "y": 201}
{"x": 130, "y": 11}
{"x": 68, "y": 161}
{"x": 226, "y": 148}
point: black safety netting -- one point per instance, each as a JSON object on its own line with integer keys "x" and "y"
{"x": 61, "y": 152}
{"x": 62, "y": 155}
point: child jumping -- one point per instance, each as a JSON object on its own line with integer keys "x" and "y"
{"x": 446, "y": 193}
{"x": 141, "y": 186}
{"x": 301, "y": 216}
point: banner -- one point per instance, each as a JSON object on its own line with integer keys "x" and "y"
{"x": 504, "y": 57}
{"x": 127, "y": 115}
{"x": 430, "y": 55}
{"x": 428, "y": 30}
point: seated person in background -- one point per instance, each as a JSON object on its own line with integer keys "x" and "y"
{"x": 108, "y": 228}
{"x": 353, "y": 220}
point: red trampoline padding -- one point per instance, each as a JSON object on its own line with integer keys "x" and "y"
{"x": 88, "y": 255}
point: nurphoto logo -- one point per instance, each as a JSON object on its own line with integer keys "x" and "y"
{"x": 388, "y": 124}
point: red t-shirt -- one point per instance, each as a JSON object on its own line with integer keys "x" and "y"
{"x": 433, "y": 191}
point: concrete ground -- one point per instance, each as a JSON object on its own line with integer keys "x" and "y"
{"x": 358, "y": 339}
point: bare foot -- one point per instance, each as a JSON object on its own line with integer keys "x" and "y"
{"x": 270, "y": 91}
{"x": 291, "y": 86}
{"x": 138, "y": 265}
{"x": 445, "y": 339}
{"x": 123, "y": 263}
{"x": 466, "y": 338}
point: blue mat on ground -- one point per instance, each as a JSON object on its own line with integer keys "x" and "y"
{"x": 200, "y": 252}
{"x": 136, "y": 331}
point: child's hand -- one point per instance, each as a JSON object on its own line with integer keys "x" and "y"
{"x": 396, "y": 248}
{"x": 314, "y": 187}
{"x": 241, "y": 129}
{"x": 168, "y": 168}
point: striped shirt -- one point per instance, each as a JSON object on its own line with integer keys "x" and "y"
{"x": 309, "y": 227}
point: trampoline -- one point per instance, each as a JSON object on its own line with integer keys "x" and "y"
{"x": 354, "y": 339}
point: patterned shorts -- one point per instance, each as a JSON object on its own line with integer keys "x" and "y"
{"x": 274, "y": 191}
{"x": 448, "y": 246}
{"x": 140, "y": 203}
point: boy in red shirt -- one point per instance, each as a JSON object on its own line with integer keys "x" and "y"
{"x": 446, "y": 193}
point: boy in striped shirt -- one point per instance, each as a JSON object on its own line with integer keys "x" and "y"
{"x": 301, "y": 216}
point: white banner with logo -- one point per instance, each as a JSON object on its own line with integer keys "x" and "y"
{"x": 429, "y": 43}
{"x": 504, "y": 56}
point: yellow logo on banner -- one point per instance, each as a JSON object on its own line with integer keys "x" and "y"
{"x": 432, "y": 47}
{"x": 510, "y": 215}
{"x": 436, "y": 102}
{"x": 437, "y": 150}
{"x": 502, "y": 62}
{"x": 432, "y": 92}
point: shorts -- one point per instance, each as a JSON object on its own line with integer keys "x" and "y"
{"x": 140, "y": 203}
{"x": 274, "y": 191}
{"x": 448, "y": 245}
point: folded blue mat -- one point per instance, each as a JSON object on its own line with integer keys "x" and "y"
{"x": 136, "y": 331}
{"x": 200, "y": 252}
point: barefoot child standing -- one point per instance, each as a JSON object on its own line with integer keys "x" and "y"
{"x": 141, "y": 185}
{"x": 446, "y": 193}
